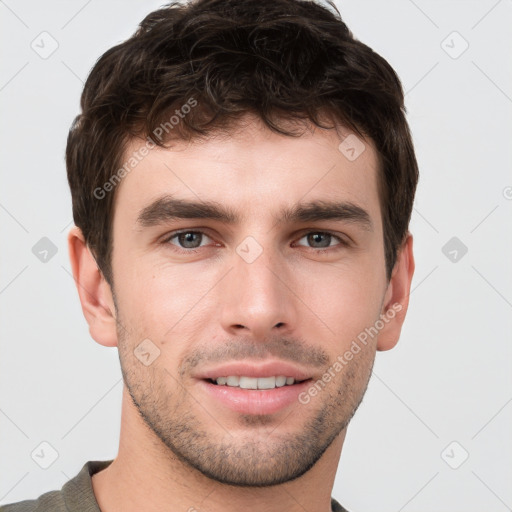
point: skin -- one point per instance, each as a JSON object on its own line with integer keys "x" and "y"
{"x": 179, "y": 449}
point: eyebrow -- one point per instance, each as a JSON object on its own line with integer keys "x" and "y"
{"x": 167, "y": 208}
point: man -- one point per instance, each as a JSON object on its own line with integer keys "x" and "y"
{"x": 242, "y": 177}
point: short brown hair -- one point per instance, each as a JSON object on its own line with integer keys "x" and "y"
{"x": 279, "y": 59}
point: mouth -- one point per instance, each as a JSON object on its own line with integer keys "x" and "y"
{"x": 245, "y": 382}
{"x": 254, "y": 388}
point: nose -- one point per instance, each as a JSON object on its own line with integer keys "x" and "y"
{"x": 257, "y": 298}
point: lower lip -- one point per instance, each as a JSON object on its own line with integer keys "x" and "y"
{"x": 255, "y": 401}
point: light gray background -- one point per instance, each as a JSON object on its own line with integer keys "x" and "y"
{"x": 449, "y": 378}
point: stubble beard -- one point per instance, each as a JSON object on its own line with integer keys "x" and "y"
{"x": 266, "y": 453}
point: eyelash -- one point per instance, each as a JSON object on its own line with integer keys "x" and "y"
{"x": 342, "y": 243}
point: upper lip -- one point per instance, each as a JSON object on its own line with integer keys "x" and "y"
{"x": 255, "y": 369}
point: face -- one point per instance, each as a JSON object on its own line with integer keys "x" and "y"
{"x": 273, "y": 274}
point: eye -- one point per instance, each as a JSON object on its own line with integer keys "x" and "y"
{"x": 187, "y": 240}
{"x": 322, "y": 240}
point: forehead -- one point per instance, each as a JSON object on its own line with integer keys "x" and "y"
{"x": 252, "y": 171}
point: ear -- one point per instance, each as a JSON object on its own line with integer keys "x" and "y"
{"x": 94, "y": 291}
{"x": 396, "y": 299}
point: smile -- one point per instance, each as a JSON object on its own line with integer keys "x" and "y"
{"x": 254, "y": 382}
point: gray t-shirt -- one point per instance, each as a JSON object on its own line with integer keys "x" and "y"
{"x": 77, "y": 495}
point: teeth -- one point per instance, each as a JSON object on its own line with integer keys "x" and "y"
{"x": 248, "y": 383}
{"x": 255, "y": 382}
{"x": 232, "y": 381}
{"x": 266, "y": 382}
{"x": 280, "y": 381}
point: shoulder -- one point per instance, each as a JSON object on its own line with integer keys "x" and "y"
{"x": 335, "y": 506}
{"x": 76, "y": 494}
{"x": 51, "y": 501}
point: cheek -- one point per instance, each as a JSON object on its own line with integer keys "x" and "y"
{"x": 344, "y": 302}
{"x": 157, "y": 300}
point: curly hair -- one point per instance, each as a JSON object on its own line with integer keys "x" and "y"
{"x": 283, "y": 60}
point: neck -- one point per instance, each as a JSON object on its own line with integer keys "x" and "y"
{"x": 146, "y": 475}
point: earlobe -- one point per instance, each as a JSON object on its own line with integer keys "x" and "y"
{"x": 93, "y": 290}
{"x": 396, "y": 300}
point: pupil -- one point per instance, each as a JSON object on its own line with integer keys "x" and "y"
{"x": 187, "y": 238}
{"x": 315, "y": 238}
